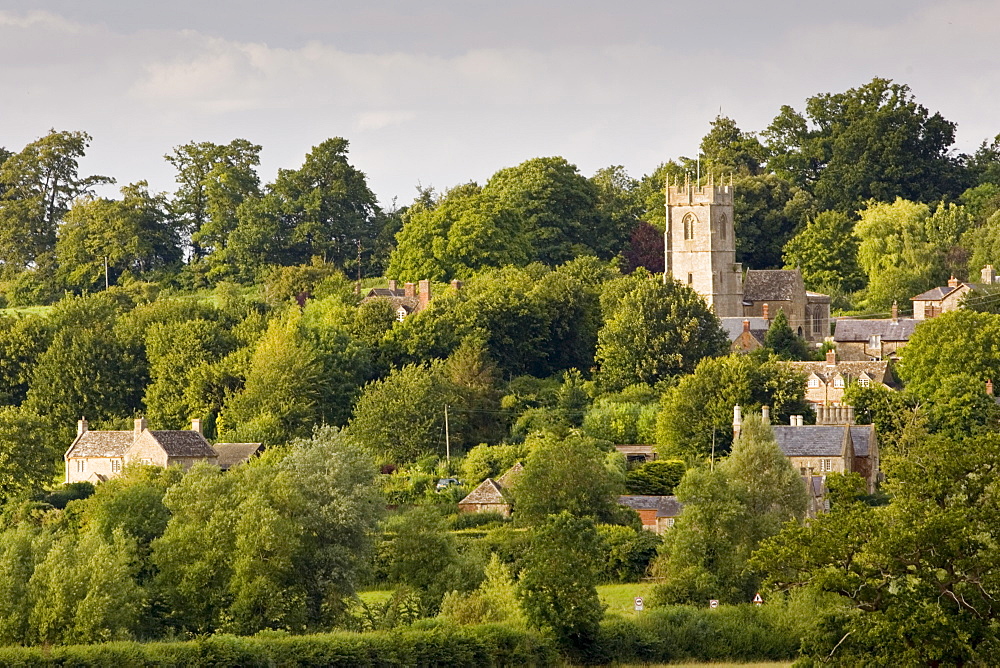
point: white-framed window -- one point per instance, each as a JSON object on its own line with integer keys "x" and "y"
{"x": 81, "y": 465}
{"x": 875, "y": 341}
{"x": 116, "y": 465}
{"x": 826, "y": 465}
{"x": 838, "y": 382}
{"x": 864, "y": 382}
{"x": 670, "y": 521}
{"x": 813, "y": 382}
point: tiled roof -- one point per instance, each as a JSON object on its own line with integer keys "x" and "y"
{"x": 810, "y": 440}
{"x": 101, "y": 444}
{"x": 734, "y": 327}
{"x": 179, "y": 443}
{"x": 507, "y": 479}
{"x": 488, "y": 492}
{"x": 935, "y": 294}
{"x": 385, "y": 292}
{"x": 231, "y": 454}
{"x": 763, "y": 285}
{"x": 861, "y": 437}
{"x": 665, "y": 506}
{"x": 850, "y": 370}
{"x": 852, "y": 330}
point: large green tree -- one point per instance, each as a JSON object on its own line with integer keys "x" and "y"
{"x": 826, "y": 252}
{"x": 871, "y": 142}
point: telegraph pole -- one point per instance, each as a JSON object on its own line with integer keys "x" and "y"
{"x": 447, "y": 437}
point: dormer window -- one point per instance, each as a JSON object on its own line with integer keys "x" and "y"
{"x": 864, "y": 381}
{"x": 838, "y": 382}
{"x": 814, "y": 382}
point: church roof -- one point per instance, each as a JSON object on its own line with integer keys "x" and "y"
{"x": 763, "y": 285}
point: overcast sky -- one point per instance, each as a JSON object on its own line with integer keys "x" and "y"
{"x": 441, "y": 92}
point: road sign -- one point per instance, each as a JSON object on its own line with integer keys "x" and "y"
{"x": 713, "y": 604}
{"x": 757, "y": 600}
{"x": 638, "y": 603}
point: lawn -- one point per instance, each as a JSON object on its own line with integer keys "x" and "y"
{"x": 620, "y": 598}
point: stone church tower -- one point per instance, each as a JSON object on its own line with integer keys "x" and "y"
{"x": 701, "y": 245}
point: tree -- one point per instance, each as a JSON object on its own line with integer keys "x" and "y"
{"x": 645, "y": 249}
{"x": 918, "y": 576}
{"x": 655, "y": 478}
{"x": 22, "y": 342}
{"x": 556, "y": 587}
{"x": 727, "y": 513}
{"x": 420, "y": 553}
{"x": 871, "y": 142}
{"x": 619, "y": 203}
{"x": 826, "y": 252}
{"x": 984, "y": 164}
{"x": 129, "y": 236}
{"x": 654, "y": 331}
{"x": 28, "y": 460}
{"x": 696, "y": 415}
{"x": 213, "y": 180}
{"x": 569, "y": 474}
{"x": 781, "y": 340}
{"x": 767, "y": 212}
{"x": 37, "y": 186}
{"x": 959, "y": 342}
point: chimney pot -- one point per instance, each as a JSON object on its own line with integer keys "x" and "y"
{"x": 895, "y": 310}
{"x": 196, "y": 425}
{"x": 746, "y": 325}
{"x": 737, "y": 421}
{"x": 988, "y": 275}
{"x": 850, "y": 415}
{"x": 456, "y": 285}
{"x": 81, "y": 426}
{"x": 989, "y": 390}
{"x": 140, "y": 425}
{"x": 765, "y": 414}
{"x": 831, "y": 357}
{"x": 409, "y": 290}
{"x": 952, "y": 282}
{"x": 765, "y": 310}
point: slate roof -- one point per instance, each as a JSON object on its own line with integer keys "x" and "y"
{"x": 184, "y": 443}
{"x": 851, "y": 370}
{"x": 851, "y": 330}
{"x": 861, "y": 437}
{"x": 231, "y": 454}
{"x": 935, "y": 294}
{"x": 488, "y": 492}
{"x": 665, "y": 506}
{"x": 385, "y": 292}
{"x": 101, "y": 444}
{"x": 396, "y": 297}
{"x": 761, "y": 285}
{"x": 513, "y": 473}
{"x": 810, "y": 440}
{"x": 734, "y": 327}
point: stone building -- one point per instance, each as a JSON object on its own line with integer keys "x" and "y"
{"x": 866, "y": 340}
{"x": 834, "y": 445}
{"x": 408, "y": 300}
{"x": 658, "y": 513}
{"x": 700, "y": 248}
{"x": 492, "y": 496}
{"x": 96, "y": 456}
{"x": 826, "y": 381}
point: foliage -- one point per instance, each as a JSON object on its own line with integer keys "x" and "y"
{"x": 626, "y": 552}
{"x": 782, "y": 341}
{"x": 569, "y": 474}
{"x": 656, "y": 478}
{"x": 494, "y": 601}
{"x": 556, "y": 587}
{"x": 826, "y": 252}
{"x": 653, "y": 331}
{"x": 491, "y": 461}
{"x": 699, "y": 410}
{"x": 28, "y": 460}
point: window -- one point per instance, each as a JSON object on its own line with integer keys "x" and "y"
{"x": 689, "y": 222}
{"x": 670, "y": 521}
{"x": 826, "y": 465}
{"x": 838, "y": 382}
{"x": 81, "y": 465}
{"x": 690, "y": 279}
{"x": 116, "y": 465}
{"x": 864, "y": 382}
{"x": 400, "y": 314}
{"x": 814, "y": 382}
{"x": 875, "y": 341}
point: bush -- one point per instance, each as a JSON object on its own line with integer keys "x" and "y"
{"x": 657, "y": 478}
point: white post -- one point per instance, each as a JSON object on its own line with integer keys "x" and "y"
{"x": 447, "y": 437}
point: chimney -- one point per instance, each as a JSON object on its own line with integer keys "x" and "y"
{"x": 392, "y": 284}
{"x": 746, "y": 325}
{"x": 765, "y": 312}
{"x": 81, "y": 425}
{"x": 196, "y": 425}
{"x": 850, "y": 414}
{"x": 988, "y": 275}
{"x": 765, "y": 414}
{"x": 456, "y": 285}
{"x": 831, "y": 357}
{"x": 140, "y": 426}
{"x": 989, "y": 391}
{"x": 795, "y": 420}
{"x": 952, "y": 282}
{"x": 424, "y": 297}
{"x": 895, "y": 311}
{"x": 737, "y": 421}
{"x": 409, "y": 290}
{"x": 821, "y": 415}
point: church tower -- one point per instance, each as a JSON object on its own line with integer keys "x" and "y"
{"x": 700, "y": 245}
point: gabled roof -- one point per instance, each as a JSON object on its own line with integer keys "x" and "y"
{"x": 734, "y": 327}
{"x": 385, "y": 292}
{"x": 761, "y": 285}
{"x": 935, "y": 294}
{"x": 181, "y": 443}
{"x": 231, "y": 454}
{"x": 861, "y": 436}
{"x": 850, "y": 330}
{"x": 811, "y": 440}
{"x": 878, "y": 371}
{"x": 506, "y": 481}
{"x": 665, "y": 506}
{"x": 488, "y": 492}
{"x": 101, "y": 444}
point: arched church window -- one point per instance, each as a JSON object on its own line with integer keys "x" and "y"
{"x": 689, "y": 221}
{"x": 723, "y": 224}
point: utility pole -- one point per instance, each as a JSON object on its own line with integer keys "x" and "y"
{"x": 105, "y": 272}
{"x": 447, "y": 437}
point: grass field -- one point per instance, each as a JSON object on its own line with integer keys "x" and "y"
{"x": 620, "y": 598}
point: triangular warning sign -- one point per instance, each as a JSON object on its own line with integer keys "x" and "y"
{"x": 757, "y": 599}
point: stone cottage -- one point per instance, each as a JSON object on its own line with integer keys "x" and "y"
{"x": 492, "y": 496}
{"x": 873, "y": 340}
{"x": 658, "y": 513}
{"x": 826, "y": 381}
